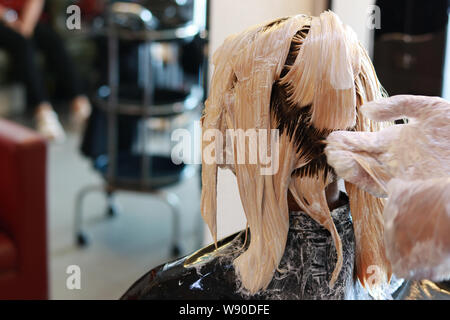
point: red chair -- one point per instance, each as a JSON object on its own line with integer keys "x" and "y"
{"x": 23, "y": 223}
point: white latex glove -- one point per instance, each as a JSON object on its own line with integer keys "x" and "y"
{"x": 410, "y": 164}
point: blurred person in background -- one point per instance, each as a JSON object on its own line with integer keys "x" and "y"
{"x": 24, "y": 30}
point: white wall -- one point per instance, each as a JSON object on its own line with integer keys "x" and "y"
{"x": 228, "y": 17}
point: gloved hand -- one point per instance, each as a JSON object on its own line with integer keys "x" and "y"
{"x": 410, "y": 164}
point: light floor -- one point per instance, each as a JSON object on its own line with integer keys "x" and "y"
{"x": 121, "y": 249}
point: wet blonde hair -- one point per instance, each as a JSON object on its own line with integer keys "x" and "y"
{"x": 305, "y": 76}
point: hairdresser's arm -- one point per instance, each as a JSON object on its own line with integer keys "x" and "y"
{"x": 410, "y": 164}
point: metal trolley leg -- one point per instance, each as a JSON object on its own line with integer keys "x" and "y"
{"x": 174, "y": 203}
{"x": 113, "y": 209}
{"x": 80, "y": 237}
{"x": 170, "y": 198}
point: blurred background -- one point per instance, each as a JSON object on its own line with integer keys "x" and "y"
{"x": 106, "y": 196}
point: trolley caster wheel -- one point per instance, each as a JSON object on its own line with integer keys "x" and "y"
{"x": 175, "y": 251}
{"x": 82, "y": 240}
{"x": 111, "y": 212}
